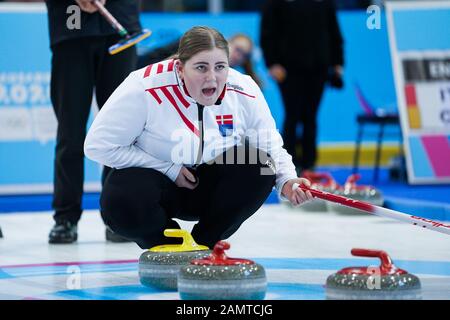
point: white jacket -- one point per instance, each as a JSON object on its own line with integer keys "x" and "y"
{"x": 150, "y": 121}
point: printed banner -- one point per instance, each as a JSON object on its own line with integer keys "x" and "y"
{"x": 419, "y": 34}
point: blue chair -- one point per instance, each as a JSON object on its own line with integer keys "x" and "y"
{"x": 371, "y": 115}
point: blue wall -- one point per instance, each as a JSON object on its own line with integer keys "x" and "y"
{"x": 367, "y": 57}
{"x": 30, "y": 161}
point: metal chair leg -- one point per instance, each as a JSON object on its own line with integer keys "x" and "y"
{"x": 378, "y": 153}
{"x": 357, "y": 149}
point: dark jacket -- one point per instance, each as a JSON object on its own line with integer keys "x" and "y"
{"x": 301, "y": 34}
{"x": 125, "y": 11}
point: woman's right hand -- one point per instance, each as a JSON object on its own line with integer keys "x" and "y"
{"x": 186, "y": 179}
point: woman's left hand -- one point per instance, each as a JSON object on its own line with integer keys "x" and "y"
{"x": 297, "y": 196}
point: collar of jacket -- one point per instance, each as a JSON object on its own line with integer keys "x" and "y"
{"x": 185, "y": 91}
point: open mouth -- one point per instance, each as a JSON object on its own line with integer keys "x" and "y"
{"x": 209, "y": 91}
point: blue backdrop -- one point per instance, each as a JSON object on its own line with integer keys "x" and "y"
{"x": 27, "y": 129}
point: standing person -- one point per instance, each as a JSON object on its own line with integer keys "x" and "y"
{"x": 241, "y": 50}
{"x": 302, "y": 47}
{"x": 189, "y": 138}
{"x": 81, "y": 64}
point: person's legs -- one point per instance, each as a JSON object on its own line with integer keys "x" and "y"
{"x": 312, "y": 93}
{"x": 72, "y": 81}
{"x": 110, "y": 71}
{"x": 228, "y": 195}
{"x": 137, "y": 203}
{"x": 290, "y": 93}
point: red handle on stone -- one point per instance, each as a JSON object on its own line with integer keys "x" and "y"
{"x": 386, "y": 268}
{"x": 352, "y": 179}
{"x": 219, "y": 258}
{"x": 317, "y": 177}
{"x": 386, "y": 262}
{"x": 218, "y": 254}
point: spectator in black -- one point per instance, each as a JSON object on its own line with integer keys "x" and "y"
{"x": 81, "y": 64}
{"x": 303, "y": 48}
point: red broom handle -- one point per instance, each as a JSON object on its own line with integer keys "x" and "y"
{"x": 108, "y": 16}
{"x": 379, "y": 211}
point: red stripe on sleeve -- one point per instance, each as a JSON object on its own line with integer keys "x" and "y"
{"x": 183, "y": 117}
{"x": 155, "y": 95}
{"x": 170, "y": 67}
{"x": 177, "y": 91}
{"x": 148, "y": 70}
{"x": 160, "y": 68}
{"x": 245, "y": 94}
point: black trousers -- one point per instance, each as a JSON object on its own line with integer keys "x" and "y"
{"x": 302, "y": 92}
{"x": 139, "y": 203}
{"x": 79, "y": 66}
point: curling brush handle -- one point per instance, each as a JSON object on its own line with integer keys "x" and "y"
{"x": 108, "y": 16}
{"x": 379, "y": 211}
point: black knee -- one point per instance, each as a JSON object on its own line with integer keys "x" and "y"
{"x": 131, "y": 205}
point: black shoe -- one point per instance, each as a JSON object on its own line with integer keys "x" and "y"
{"x": 114, "y": 237}
{"x": 1, "y": 233}
{"x": 63, "y": 232}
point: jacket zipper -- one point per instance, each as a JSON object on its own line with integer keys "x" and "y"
{"x": 201, "y": 144}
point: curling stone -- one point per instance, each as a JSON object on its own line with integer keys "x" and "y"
{"x": 219, "y": 277}
{"x": 319, "y": 181}
{"x": 351, "y": 190}
{"x": 385, "y": 282}
{"x": 159, "y": 266}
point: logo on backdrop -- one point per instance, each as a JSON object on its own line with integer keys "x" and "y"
{"x": 26, "y": 113}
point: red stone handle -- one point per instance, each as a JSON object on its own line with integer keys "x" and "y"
{"x": 352, "y": 179}
{"x": 218, "y": 254}
{"x": 386, "y": 263}
{"x": 314, "y": 176}
{"x": 219, "y": 258}
{"x": 351, "y": 182}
